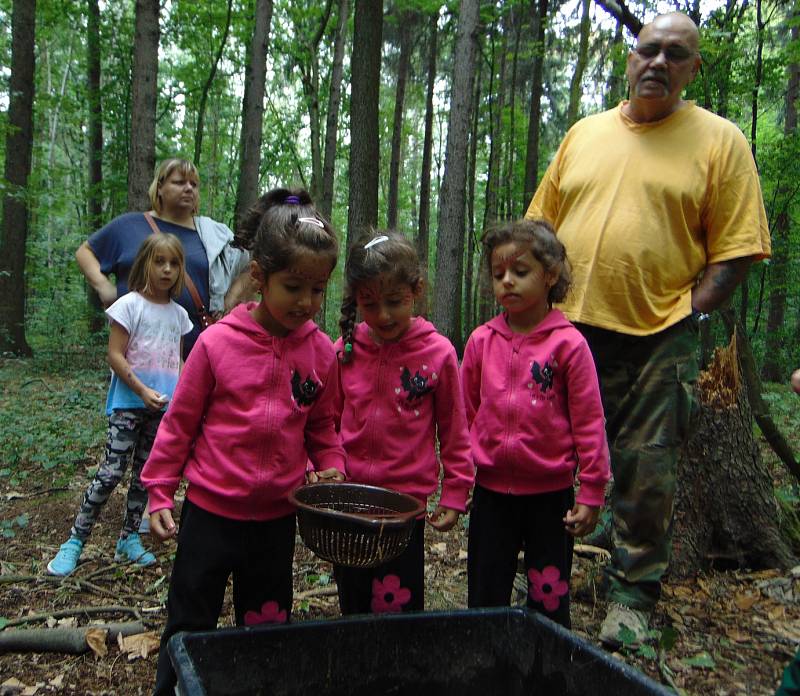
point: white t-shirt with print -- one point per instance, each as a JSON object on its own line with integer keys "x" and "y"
{"x": 154, "y": 347}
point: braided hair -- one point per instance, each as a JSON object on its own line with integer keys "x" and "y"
{"x": 540, "y": 238}
{"x": 281, "y": 226}
{"x": 385, "y": 253}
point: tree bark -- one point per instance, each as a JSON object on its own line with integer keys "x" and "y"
{"x": 247, "y": 189}
{"x": 575, "y": 85}
{"x": 450, "y": 240}
{"x": 615, "y": 84}
{"x": 201, "y": 111}
{"x": 470, "y": 280}
{"x": 332, "y": 118}
{"x": 725, "y": 507}
{"x": 619, "y": 11}
{"x": 95, "y": 146}
{"x": 405, "y": 29}
{"x": 539, "y": 23}
{"x": 496, "y": 106}
{"x": 507, "y": 209}
{"x": 362, "y": 211}
{"x": 142, "y": 154}
{"x": 423, "y": 233}
{"x": 19, "y": 148}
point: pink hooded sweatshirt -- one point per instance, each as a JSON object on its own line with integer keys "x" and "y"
{"x": 249, "y": 410}
{"x": 395, "y": 397}
{"x": 534, "y": 409}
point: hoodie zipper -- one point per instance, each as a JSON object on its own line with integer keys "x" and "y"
{"x": 375, "y": 419}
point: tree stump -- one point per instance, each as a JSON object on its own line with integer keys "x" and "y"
{"x": 725, "y": 508}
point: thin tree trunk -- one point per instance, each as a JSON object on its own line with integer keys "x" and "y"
{"x": 142, "y": 155}
{"x": 95, "y": 143}
{"x": 332, "y": 119}
{"x": 507, "y": 211}
{"x": 576, "y": 85}
{"x": 470, "y": 282}
{"x": 253, "y": 111}
{"x": 539, "y": 23}
{"x": 615, "y": 84}
{"x": 450, "y": 240}
{"x": 406, "y": 26}
{"x": 423, "y": 234}
{"x": 497, "y": 105}
{"x": 201, "y": 111}
{"x": 19, "y": 148}
{"x": 364, "y": 141}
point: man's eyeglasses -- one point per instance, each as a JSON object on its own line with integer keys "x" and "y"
{"x": 674, "y": 54}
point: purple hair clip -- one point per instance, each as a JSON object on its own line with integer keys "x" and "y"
{"x": 292, "y": 200}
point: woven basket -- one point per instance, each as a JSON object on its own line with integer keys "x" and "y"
{"x": 355, "y": 525}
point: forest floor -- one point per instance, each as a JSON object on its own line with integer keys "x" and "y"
{"x": 722, "y": 632}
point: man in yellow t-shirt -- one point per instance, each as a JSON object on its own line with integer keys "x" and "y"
{"x": 659, "y": 205}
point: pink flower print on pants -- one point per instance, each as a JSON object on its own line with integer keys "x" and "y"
{"x": 547, "y": 587}
{"x": 388, "y": 596}
{"x": 270, "y": 613}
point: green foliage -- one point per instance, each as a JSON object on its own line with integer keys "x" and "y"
{"x": 7, "y": 526}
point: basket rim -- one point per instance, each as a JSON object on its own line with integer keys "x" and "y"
{"x": 401, "y": 519}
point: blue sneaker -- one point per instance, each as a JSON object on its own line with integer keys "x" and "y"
{"x": 67, "y": 557}
{"x": 130, "y": 549}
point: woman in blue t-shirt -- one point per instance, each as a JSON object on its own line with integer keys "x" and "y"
{"x": 218, "y": 270}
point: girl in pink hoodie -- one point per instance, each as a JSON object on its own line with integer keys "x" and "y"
{"x": 535, "y": 416}
{"x": 255, "y": 401}
{"x": 400, "y": 389}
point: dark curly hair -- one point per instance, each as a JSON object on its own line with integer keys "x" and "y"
{"x": 540, "y": 237}
{"x": 395, "y": 258}
{"x": 281, "y": 226}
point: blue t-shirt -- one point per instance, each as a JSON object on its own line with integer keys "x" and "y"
{"x": 117, "y": 244}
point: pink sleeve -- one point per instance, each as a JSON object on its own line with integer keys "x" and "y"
{"x": 322, "y": 439}
{"x": 588, "y": 426}
{"x": 178, "y": 430}
{"x": 453, "y": 432}
{"x": 471, "y": 379}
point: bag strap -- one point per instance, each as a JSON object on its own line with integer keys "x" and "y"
{"x": 190, "y": 286}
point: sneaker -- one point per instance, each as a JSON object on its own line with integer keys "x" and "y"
{"x": 620, "y": 617}
{"x": 130, "y": 549}
{"x": 67, "y": 557}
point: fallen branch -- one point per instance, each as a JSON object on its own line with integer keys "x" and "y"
{"x": 589, "y": 550}
{"x": 75, "y": 611}
{"x": 666, "y": 672}
{"x": 62, "y": 639}
{"x": 326, "y": 591}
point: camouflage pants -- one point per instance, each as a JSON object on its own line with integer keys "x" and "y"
{"x": 646, "y": 384}
{"x": 130, "y": 438}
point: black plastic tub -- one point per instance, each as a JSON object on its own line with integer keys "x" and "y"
{"x": 506, "y": 651}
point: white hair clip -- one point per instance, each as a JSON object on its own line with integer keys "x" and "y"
{"x": 377, "y": 240}
{"x": 312, "y": 221}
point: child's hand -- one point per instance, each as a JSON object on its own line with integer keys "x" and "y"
{"x": 581, "y": 520}
{"x": 325, "y": 476}
{"x": 796, "y": 381}
{"x": 152, "y": 399}
{"x": 162, "y": 526}
{"x": 443, "y": 519}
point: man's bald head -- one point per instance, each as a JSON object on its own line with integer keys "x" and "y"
{"x": 676, "y": 21}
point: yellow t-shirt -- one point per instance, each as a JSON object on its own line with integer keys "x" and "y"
{"x": 643, "y": 208}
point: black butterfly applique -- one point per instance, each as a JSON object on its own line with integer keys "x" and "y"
{"x": 543, "y": 376}
{"x": 415, "y": 387}
{"x": 304, "y": 393}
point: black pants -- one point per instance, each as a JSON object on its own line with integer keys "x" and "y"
{"x": 396, "y": 586}
{"x": 210, "y": 549}
{"x": 499, "y": 526}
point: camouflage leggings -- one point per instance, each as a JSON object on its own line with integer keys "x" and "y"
{"x": 646, "y": 384}
{"x": 130, "y": 437}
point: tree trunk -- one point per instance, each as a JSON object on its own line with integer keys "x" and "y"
{"x": 496, "y": 107}
{"x": 201, "y": 111}
{"x": 95, "y": 146}
{"x": 726, "y": 511}
{"x": 19, "y": 148}
{"x": 450, "y": 240}
{"x": 255, "y": 77}
{"x": 470, "y": 282}
{"x": 779, "y": 266}
{"x": 509, "y": 202}
{"x": 616, "y": 84}
{"x": 423, "y": 234}
{"x": 332, "y": 119}
{"x": 405, "y": 29}
{"x": 364, "y": 143}
{"x": 576, "y": 84}
{"x": 539, "y": 24}
{"x": 142, "y": 154}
